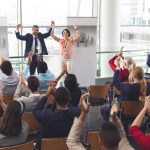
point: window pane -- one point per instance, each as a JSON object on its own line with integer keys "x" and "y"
{"x": 8, "y": 9}
{"x": 42, "y": 12}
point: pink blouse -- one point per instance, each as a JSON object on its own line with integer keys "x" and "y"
{"x": 66, "y": 45}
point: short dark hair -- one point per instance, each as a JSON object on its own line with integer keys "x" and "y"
{"x": 33, "y": 83}
{"x": 12, "y": 120}
{"x": 61, "y": 95}
{"x": 6, "y": 67}
{"x": 35, "y": 26}
{"x": 67, "y": 32}
{"x": 109, "y": 135}
{"x": 42, "y": 67}
{"x": 71, "y": 81}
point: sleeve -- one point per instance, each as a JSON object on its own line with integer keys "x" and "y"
{"x": 73, "y": 140}
{"x": 76, "y": 36}
{"x": 140, "y": 137}
{"x": 111, "y": 63}
{"x": 45, "y": 35}
{"x": 54, "y": 37}
{"x": 48, "y": 73}
{"x": 21, "y": 37}
{"x": 38, "y": 112}
{"x": 124, "y": 143}
{"x": 26, "y": 72}
{"x": 1, "y": 86}
{"x": 21, "y": 89}
{"x": 124, "y": 88}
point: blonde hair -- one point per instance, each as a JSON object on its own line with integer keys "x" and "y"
{"x": 130, "y": 65}
{"x": 138, "y": 73}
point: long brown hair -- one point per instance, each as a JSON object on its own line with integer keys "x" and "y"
{"x": 12, "y": 123}
{"x": 138, "y": 73}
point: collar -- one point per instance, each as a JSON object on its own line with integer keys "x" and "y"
{"x": 34, "y": 94}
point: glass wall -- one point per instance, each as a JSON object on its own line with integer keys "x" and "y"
{"x": 134, "y": 34}
{"x": 134, "y": 31}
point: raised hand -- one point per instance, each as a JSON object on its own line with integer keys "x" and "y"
{"x": 52, "y": 24}
{"x": 22, "y": 80}
{"x": 75, "y": 27}
{"x": 83, "y": 102}
{"x": 121, "y": 51}
{"x": 64, "y": 68}
{"x": 1, "y": 60}
{"x": 18, "y": 26}
{"x": 30, "y": 57}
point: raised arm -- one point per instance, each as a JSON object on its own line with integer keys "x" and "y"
{"x": 18, "y": 36}
{"x": 21, "y": 88}
{"x": 52, "y": 32}
{"x": 73, "y": 140}
{"x": 111, "y": 62}
{"x": 124, "y": 143}
{"x": 77, "y": 34}
{"x": 45, "y": 35}
{"x": 2, "y": 104}
{"x": 136, "y": 133}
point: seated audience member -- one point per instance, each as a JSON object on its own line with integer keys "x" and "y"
{"x": 55, "y": 123}
{"x": 31, "y": 91}
{"x": 132, "y": 91}
{"x": 12, "y": 129}
{"x": 141, "y": 139}
{"x": 9, "y": 80}
{"x": 44, "y": 75}
{"x": 127, "y": 66}
{"x": 73, "y": 87}
{"x": 112, "y": 135}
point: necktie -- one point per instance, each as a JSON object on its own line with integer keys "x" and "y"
{"x": 36, "y": 44}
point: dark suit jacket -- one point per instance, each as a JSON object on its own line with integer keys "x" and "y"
{"x": 29, "y": 40}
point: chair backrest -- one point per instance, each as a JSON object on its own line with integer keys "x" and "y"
{"x": 34, "y": 125}
{"x": 99, "y": 91}
{"x": 93, "y": 140}
{"x": 54, "y": 144}
{"x": 42, "y": 92}
{"x": 132, "y": 108}
{"x": 8, "y": 98}
{"x": 24, "y": 146}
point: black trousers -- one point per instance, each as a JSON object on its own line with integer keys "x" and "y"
{"x": 35, "y": 60}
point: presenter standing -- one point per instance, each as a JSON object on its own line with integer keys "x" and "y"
{"x": 65, "y": 44}
{"x": 35, "y": 44}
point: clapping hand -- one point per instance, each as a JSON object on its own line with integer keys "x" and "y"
{"x": 147, "y": 104}
{"x": 120, "y": 53}
{"x": 52, "y": 24}
{"x": 1, "y": 60}
{"x": 84, "y": 104}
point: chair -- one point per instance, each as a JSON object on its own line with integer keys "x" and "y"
{"x": 8, "y": 98}
{"x": 34, "y": 125}
{"x": 54, "y": 144}
{"x": 93, "y": 140}
{"x": 129, "y": 110}
{"x": 24, "y": 146}
{"x": 98, "y": 94}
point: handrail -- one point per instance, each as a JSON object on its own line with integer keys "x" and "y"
{"x": 126, "y": 51}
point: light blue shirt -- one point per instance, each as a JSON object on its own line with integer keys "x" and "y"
{"x": 44, "y": 78}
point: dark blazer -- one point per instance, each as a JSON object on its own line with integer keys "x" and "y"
{"x": 29, "y": 40}
{"x": 129, "y": 91}
{"x": 55, "y": 123}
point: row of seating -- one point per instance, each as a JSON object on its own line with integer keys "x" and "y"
{"x": 57, "y": 144}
